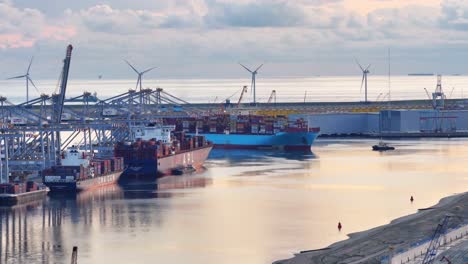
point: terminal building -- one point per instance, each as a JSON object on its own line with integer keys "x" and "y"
{"x": 392, "y": 122}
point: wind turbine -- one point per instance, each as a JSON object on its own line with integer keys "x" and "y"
{"x": 365, "y": 72}
{"x": 28, "y": 80}
{"x": 140, "y": 74}
{"x": 254, "y": 73}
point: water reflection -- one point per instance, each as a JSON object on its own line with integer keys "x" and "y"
{"x": 46, "y": 231}
{"x": 236, "y": 156}
{"x": 247, "y": 207}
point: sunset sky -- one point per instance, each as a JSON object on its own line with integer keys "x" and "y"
{"x": 207, "y": 38}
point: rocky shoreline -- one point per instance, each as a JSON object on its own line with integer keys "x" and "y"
{"x": 371, "y": 245}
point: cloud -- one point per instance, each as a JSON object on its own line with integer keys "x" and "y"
{"x": 255, "y": 14}
{"x": 454, "y": 14}
{"x": 22, "y": 28}
{"x": 181, "y": 34}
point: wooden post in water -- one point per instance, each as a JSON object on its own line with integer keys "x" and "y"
{"x": 74, "y": 258}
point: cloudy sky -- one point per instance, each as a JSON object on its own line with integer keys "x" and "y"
{"x": 206, "y": 38}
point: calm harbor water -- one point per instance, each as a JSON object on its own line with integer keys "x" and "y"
{"x": 246, "y": 207}
{"x": 314, "y": 89}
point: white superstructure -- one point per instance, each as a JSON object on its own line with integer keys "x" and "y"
{"x": 74, "y": 157}
{"x": 158, "y": 133}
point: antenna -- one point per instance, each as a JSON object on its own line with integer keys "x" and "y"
{"x": 28, "y": 80}
{"x": 253, "y": 87}
{"x": 389, "y": 80}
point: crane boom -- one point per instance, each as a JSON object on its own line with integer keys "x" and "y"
{"x": 434, "y": 245}
{"x": 427, "y": 93}
{"x": 244, "y": 90}
{"x": 272, "y": 95}
{"x": 429, "y": 97}
{"x": 63, "y": 86}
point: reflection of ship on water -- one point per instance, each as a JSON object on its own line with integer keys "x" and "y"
{"x": 46, "y": 232}
{"x": 22, "y": 237}
{"x": 161, "y": 188}
{"x": 236, "y": 156}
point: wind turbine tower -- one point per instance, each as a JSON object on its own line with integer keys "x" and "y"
{"x": 365, "y": 72}
{"x": 28, "y": 80}
{"x": 254, "y": 73}
{"x": 140, "y": 75}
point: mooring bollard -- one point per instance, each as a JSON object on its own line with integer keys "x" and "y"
{"x": 74, "y": 258}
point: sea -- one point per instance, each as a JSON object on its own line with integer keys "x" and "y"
{"x": 288, "y": 89}
{"x": 246, "y": 206}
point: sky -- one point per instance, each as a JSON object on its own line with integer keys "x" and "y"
{"x": 208, "y": 38}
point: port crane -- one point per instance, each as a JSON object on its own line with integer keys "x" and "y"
{"x": 429, "y": 97}
{"x": 244, "y": 90}
{"x": 431, "y": 252}
{"x": 272, "y": 96}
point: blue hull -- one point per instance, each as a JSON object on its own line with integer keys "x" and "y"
{"x": 281, "y": 140}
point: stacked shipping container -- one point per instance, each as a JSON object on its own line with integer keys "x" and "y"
{"x": 240, "y": 124}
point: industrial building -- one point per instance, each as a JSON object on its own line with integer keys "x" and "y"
{"x": 392, "y": 122}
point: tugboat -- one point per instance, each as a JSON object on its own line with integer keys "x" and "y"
{"x": 382, "y": 147}
{"x": 80, "y": 171}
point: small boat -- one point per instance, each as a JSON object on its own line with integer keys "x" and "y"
{"x": 382, "y": 147}
{"x": 183, "y": 170}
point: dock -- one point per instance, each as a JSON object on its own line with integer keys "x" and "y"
{"x": 7, "y": 199}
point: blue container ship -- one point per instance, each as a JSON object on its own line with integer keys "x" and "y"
{"x": 251, "y": 131}
{"x": 280, "y": 140}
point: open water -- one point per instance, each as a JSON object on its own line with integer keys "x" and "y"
{"x": 312, "y": 89}
{"x": 245, "y": 207}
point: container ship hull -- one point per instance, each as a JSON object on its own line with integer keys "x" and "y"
{"x": 149, "y": 170}
{"x": 63, "y": 184}
{"x": 280, "y": 140}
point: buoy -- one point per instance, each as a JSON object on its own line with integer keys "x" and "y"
{"x": 339, "y": 226}
{"x": 411, "y": 199}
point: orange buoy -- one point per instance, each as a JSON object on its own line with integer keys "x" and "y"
{"x": 411, "y": 199}
{"x": 339, "y": 226}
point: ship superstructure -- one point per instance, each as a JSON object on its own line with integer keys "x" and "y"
{"x": 79, "y": 171}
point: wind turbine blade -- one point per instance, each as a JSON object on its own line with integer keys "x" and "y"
{"x": 368, "y": 67}
{"x": 17, "y": 77}
{"x": 357, "y": 62}
{"x": 362, "y": 82}
{"x": 259, "y": 67}
{"x": 143, "y": 72}
{"x": 31, "y": 81}
{"x": 132, "y": 66}
{"x": 245, "y": 67}
{"x": 30, "y": 62}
